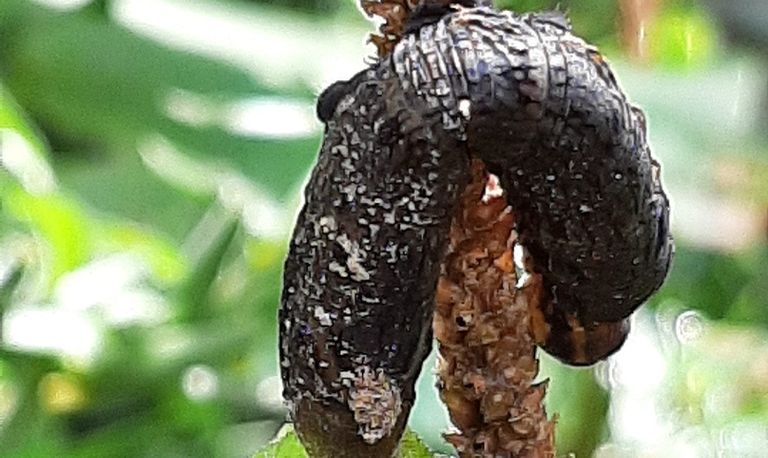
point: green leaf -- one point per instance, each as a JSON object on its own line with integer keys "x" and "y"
{"x": 212, "y": 239}
{"x": 22, "y": 151}
{"x": 704, "y": 280}
{"x": 60, "y": 221}
{"x": 92, "y": 82}
{"x": 28, "y": 431}
{"x": 286, "y": 445}
{"x": 8, "y": 285}
{"x": 600, "y": 28}
{"x": 123, "y": 186}
{"x": 167, "y": 264}
{"x": 411, "y": 446}
{"x": 682, "y": 39}
{"x": 85, "y": 54}
{"x": 580, "y": 404}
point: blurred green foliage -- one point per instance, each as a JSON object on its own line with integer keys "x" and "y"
{"x": 598, "y": 28}
{"x": 141, "y": 238}
{"x": 286, "y": 445}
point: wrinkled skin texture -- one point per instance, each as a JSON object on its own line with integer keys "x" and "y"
{"x": 365, "y": 256}
{"x": 543, "y": 111}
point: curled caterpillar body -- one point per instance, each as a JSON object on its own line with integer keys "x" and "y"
{"x": 543, "y": 111}
{"x": 546, "y": 115}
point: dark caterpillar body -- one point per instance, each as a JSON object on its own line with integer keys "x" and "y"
{"x": 543, "y": 111}
{"x": 330, "y": 98}
{"x": 546, "y": 115}
{"x": 360, "y": 278}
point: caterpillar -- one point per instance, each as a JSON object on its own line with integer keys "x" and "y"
{"x": 543, "y": 111}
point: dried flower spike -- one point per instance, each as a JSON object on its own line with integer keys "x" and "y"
{"x": 487, "y": 353}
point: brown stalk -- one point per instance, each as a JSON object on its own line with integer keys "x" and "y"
{"x": 636, "y": 19}
{"x": 488, "y": 356}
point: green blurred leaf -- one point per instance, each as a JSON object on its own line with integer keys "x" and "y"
{"x": 278, "y": 165}
{"x": 682, "y": 39}
{"x": 122, "y": 186}
{"x": 748, "y": 306}
{"x": 85, "y": 54}
{"x": 705, "y": 281}
{"x": 29, "y": 431}
{"x": 264, "y": 254}
{"x": 597, "y": 28}
{"x": 286, "y": 445}
{"x": 22, "y": 151}
{"x": 61, "y": 223}
{"x": 214, "y": 237}
{"x": 167, "y": 264}
{"x": 580, "y": 404}
{"x": 12, "y": 118}
{"x": 411, "y": 446}
{"x": 8, "y": 285}
{"x": 91, "y": 80}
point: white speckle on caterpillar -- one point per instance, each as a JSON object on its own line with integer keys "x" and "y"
{"x": 328, "y": 223}
{"x": 375, "y": 401}
{"x": 338, "y": 268}
{"x": 464, "y": 108}
{"x": 323, "y": 317}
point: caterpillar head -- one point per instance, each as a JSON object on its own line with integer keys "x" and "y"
{"x": 563, "y": 335}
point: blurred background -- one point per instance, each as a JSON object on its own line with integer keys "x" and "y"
{"x": 153, "y": 153}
